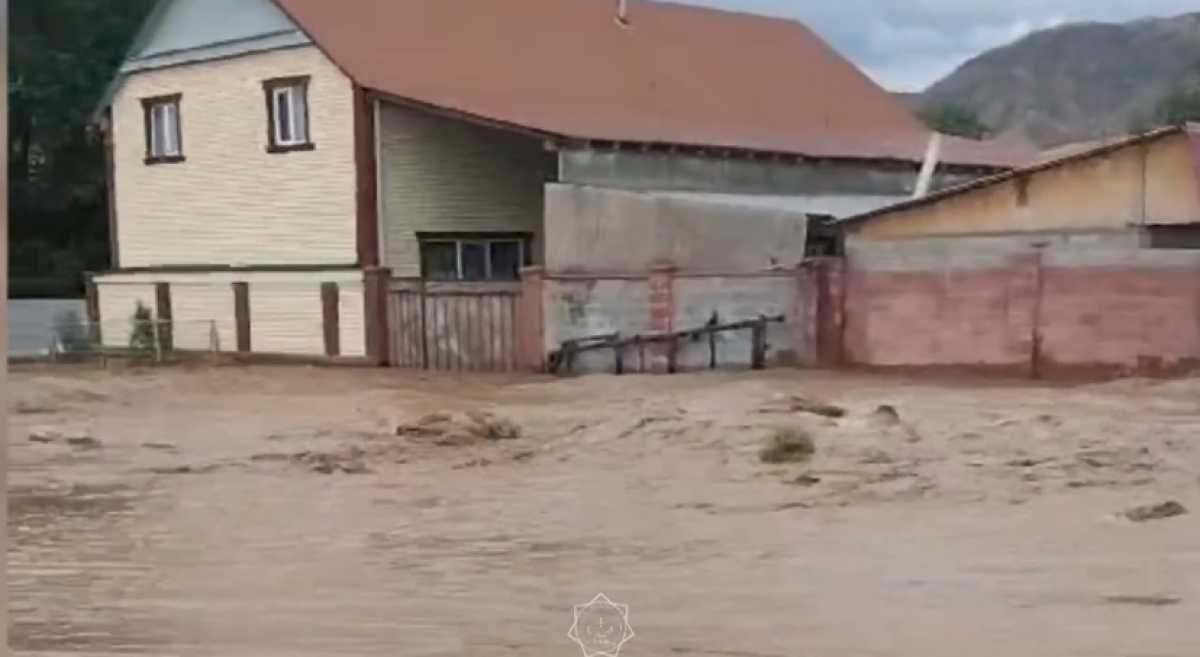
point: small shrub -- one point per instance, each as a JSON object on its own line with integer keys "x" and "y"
{"x": 141, "y": 339}
{"x": 790, "y": 445}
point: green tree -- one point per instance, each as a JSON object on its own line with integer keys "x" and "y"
{"x": 954, "y": 119}
{"x": 1179, "y": 106}
{"x": 63, "y": 53}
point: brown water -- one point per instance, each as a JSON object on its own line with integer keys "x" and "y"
{"x": 984, "y": 524}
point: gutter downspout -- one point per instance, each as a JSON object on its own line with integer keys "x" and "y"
{"x": 933, "y": 154}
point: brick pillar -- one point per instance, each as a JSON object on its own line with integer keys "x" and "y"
{"x": 829, "y": 286}
{"x": 661, "y": 295}
{"x": 1025, "y": 290}
{"x": 531, "y": 320}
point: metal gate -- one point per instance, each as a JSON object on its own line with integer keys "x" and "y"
{"x": 455, "y": 327}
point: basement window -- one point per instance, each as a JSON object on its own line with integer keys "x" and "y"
{"x": 474, "y": 258}
{"x": 287, "y": 115}
{"x": 164, "y": 136}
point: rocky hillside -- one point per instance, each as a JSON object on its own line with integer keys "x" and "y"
{"x": 1079, "y": 81}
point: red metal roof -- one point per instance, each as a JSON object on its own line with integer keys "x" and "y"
{"x": 676, "y": 75}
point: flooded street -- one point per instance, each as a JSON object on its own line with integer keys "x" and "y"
{"x": 275, "y": 511}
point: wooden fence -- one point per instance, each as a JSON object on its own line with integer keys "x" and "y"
{"x": 467, "y": 327}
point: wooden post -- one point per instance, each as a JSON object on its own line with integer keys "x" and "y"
{"x": 376, "y": 284}
{"x": 331, "y": 319}
{"x": 95, "y": 337}
{"x": 241, "y": 312}
{"x": 673, "y": 356}
{"x": 422, "y": 299}
{"x": 164, "y": 318}
{"x": 758, "y": 356}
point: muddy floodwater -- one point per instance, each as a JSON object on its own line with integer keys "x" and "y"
{"x": 316, "y": 512}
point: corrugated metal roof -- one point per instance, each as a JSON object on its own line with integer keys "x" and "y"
{"x": 675, "y": 74}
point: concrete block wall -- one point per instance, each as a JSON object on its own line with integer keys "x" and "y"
{"x": 664, "y": 300}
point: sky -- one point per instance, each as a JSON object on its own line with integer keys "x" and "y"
{"x": 908, "y": 44}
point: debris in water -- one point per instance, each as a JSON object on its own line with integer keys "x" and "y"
{"x": 791, "y": 445}
{"x": 786, "y": 404}
{"x": 460, "y": 430}
{"x": 1156, "y": 512}
{"x": 805, "y": 480}
{"x": 1143, "y": 600}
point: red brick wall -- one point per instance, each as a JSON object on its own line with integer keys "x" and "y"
{"x": 1120, "y": 318}
{"x": 1029, "y": 316}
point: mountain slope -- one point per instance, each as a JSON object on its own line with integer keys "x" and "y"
{"x": 1080, "y": 81}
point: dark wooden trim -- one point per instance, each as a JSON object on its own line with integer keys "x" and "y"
{"x": 331, "y": 318}
{"x": 110, "y": 190}
{"x": 241, "y": 314}
{"x": 365, "y": 168}
{"x": 294, "y": 148}
{"x": 474, "y": 235}
{"x": 92, "y": 296}
{"x": 269, "y": 87}
{"x": 376, "y": 284}
{"x": 165, "y": 316}
{"x": 147, "y": 105}
{"x": 170, "y": 159}
{"x": 215, "y": 269}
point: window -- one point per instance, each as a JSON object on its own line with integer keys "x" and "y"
{"x": 287, "y": 115}
{"x": 474, "y": 258}
{"x": 164, "y": 137}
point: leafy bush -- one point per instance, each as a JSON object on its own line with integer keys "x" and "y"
{"x": 141, "y": 339}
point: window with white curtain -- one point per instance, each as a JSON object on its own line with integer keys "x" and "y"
{"x": 164, "y": 134}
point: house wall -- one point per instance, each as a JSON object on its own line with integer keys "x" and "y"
{"x": 1152, "y": 183}
{"x": 443, "y": 175}
{"x": 285, "y": 309}
{"x": 590, "y": 229}
{"x": 1027, "y": 305}
{"x": 231, "y": 202}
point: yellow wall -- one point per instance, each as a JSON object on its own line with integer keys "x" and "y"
{"x": 231, "y": 202}
{"x": 1094, "y": 193}
{"x": 443, "y": 175}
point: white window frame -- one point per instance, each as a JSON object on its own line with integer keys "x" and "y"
{"x": 295, "y": 97}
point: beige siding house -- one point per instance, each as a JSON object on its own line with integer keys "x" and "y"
{"x": 280, "y": 170}
{"x": 1147, "y": 183}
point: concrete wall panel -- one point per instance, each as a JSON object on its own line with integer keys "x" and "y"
{"x": 734, "y": 299}
{"x": 599, "y": 230}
